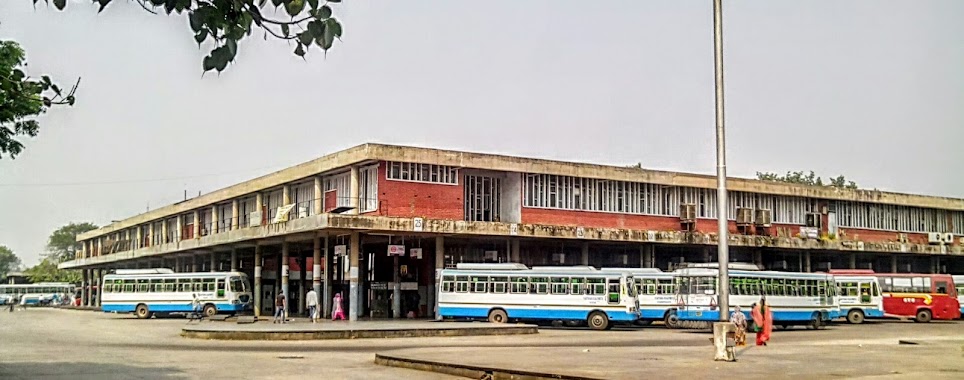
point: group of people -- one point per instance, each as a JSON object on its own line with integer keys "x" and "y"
{"x": 762, "y": 323}
{"x": 311, "y": 300}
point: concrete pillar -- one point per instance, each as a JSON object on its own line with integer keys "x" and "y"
{"x": 214, "y": 220}
{"x": 164, "y": 231}
{"x": 194, "y": 267}
{"x": 234, "y": 259}
{"x": 585, "y": 253}
{"x": 439, "y": 265}
{"x": 177, "y": 263}
{"x": 893, "y": 263}
{"x": 396, "y": 290}
{"x": 197, "y": 224}
{"x": 257, "y": 280}
{"x": 316, "y": 201}
{"x": 806, "y": 261}
{"x": 235, "y": 218}
{"x": 85, "y": 287}
{"x": 284, "y": 276}
{"x": 316, "y": 266}
{"x": 214, "y": 262}
{"x": 935, "y": 264}
{"x": 853, "y": 261}
{"x": 150, "y": 233}
{"x": 258, "y": 205}
{"x": 179, "y": 234}
{"x": 353, "y": 191}
{"x": 646, "y": 256}
{"x": 354, "y": 290}
{"x": 758, "y": 258}
{"x": 303, "y": 286}
{"x": 99, "y": 279}
{"x": 515, "y": 251}
{"x": 327, "y": 270}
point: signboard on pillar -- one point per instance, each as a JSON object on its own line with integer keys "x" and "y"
{"x": 418, "y": 224}
{"x": 580, "y": 232}
{"x": 513, "y": 229}
{"x": 284, "y": 271}
{"x": 415, "y": 253}
{"x": 341, "y": 250}
{"x": 396, "y": 250}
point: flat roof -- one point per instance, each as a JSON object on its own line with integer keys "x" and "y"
{"x": 371, "y": 152}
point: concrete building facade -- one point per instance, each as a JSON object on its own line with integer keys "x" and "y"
{"x": 331, "y": 222}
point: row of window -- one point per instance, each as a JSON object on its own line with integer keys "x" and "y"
{"x": 897, "y": 218}
{"x": 408, "y": 171}
{"x": 854, "y": 289}
{"x": 530, "y": 285}
{"x": 183, "y": 285}
{"x": 912, "y": 285}
{"x": 752, "y": 286}
{"x": 652, "y": 286}
{"x": 34, "y": 289}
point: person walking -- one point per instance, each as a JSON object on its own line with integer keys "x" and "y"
{"x": 337, "y": 312}
{"x": 279, "y": 308}
{"x": 763, "y": 320}
{"x": 311, "y": 300}
{"x": 739, "y": 320}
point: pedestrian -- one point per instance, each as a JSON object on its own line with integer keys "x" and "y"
{"x": 763, "y": 322}
{"x": 311, "y": 300}
{"x": 739, "y": 320}
{"x": 337, "y": 312}
{"x": 279, "y": 308}
{"x": 196, "y": 305}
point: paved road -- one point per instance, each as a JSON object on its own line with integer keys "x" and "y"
{"x": 66, "y": 344}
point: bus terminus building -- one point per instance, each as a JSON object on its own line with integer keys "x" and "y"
{"x": 371, "y": 218}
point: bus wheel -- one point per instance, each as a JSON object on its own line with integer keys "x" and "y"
{"x": 855, "y": 317}
{"x": 923, "y": 316}
{"x": 498, "y": 316}
{"x": 671, "y": 320}
{"x": 598, "y": 321}
{"x": 816, "y": 322}
{"x": 209, "y": 310}
{"x": 141, "y": 312}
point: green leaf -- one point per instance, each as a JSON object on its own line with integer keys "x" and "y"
{"x": 300, "y": 50}
{"x": 46, "y": 79}
{"x": 181, "y": 5}
{"x": 324, "y": 12}
{"x": 70, "y": 100}
{"x": 103, "y": 4}
{"x": 316, "y": 28}
{"x": 201, "y": 36}
{"x": 60, "y": 4}
{"x": 334, "y": 1}
{"x": 294, "y": 7}
{"x": 56, "y": 89}
{"x": 313, "y": 4}
{"x": 208, "y": 63}
{"x": 276, "y": 2}
{"x": 305, "y": 37}
{"x": 284, "y": 30}
{"x": 232, "y": 46}
{"x": 246, "y": 20}
{"x": 195, "y": 20}
{"x": 334, "y": 26}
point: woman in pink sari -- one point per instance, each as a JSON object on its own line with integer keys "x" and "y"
{"x": 337, "y": 312}
{"x": 763, "y": 322}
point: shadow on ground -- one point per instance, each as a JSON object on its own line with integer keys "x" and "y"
{"x": 98, "y": 371}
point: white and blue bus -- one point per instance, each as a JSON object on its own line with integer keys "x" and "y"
{"x": 507, "y": 292}
{"x": 959, "y": 284}
{"x": 859, "y": 297}
{"x": 794, "y": 298}
{"x": 656, "y": 292}
{"x": 146, "y": 292}
{"x": 36, "y": 294}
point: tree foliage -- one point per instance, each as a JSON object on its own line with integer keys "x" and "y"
{"x": 62, "y": 244}
{"x": 810, "y": 179}
{"x": 47, "y": 271}
{"x": 22, "y": 98}
{"x": 9, "y": 262}
{"x": 227, "y": 22}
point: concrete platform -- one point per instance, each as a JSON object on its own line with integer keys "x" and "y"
{"x": 265, "y": 330}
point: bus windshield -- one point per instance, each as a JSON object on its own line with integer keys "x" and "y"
{"x": 630, "y": 287}
{"x": 237, "y": 284}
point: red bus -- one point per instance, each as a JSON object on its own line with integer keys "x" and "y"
{"x": 921, "y": 296}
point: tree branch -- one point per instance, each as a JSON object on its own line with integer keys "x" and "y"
{"x": 141, "y": 2}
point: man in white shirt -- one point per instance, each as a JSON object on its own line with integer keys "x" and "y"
{"x": 311, "y": 300}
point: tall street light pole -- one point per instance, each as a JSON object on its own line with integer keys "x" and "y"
{"x": 723, "y": 227}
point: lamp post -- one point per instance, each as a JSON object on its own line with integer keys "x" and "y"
{"x": 723, "y": 231}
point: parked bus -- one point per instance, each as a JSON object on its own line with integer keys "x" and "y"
{"x": 656, "y": 293}
{"x": 509, "y": 291}
{"x": 859, "y": 297}
{"x": 35, "y": 294}
{"x": 794, "y": 298}
{"x": 921, "y": 296}
{"x": 148, "y": 291}
{"x": 959, "y": 284}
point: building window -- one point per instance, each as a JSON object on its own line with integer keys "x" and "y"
{"x": 339, "y": 184}
{"x": 873, "y": 216}
{"x": 407, "y": 171}
{"x": 588, "y": 194}
{"x": 368, "y": 188}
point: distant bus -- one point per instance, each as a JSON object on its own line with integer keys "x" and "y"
{"x": 859, "y": 297}
{"x": 509, "y": 291}
{"x": 656, "y": 293}
{"x": 35, "y": 294}
{"x": 795, "y": 298}
{"x": 921, "y": 296}
{"x": 959, "y": 284}
{"x": 146, "y": 292}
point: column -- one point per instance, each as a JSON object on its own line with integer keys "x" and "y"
{"x": 179, "y": 234}
{"x": 585, "y": 253}
{"x": 234, "y": 259}
{"x": 935, "y": 264}
{"x": 806, "y": 261}
{"x": 439, "y": 265}
{"x": 893, "y": 263}
{"x": 138, "y": 234}
{"x": 316, "y": 268}
{"x": 98, "y": 274}
{"x": 758, "y": 258}
{"x": 194, "y": 267}
{"x": 177, "y": 263}
{"x": 197, "y": 224}
{"x": 706, "y": 255}
{"x": 396, "y": 290}
{"x": 85, "y": 287}
{"x": 853, "y": 261}
{"x": 214, "y": 262}
{"x": 353, "y": 191}
{"x": 646, "y": 256}
{"x": 317, "y": 198}
{"x": 303, "y": 286}
{"x": 354, "y": 291}
{"x": 214, "y": 220}
{"x": 326, "y": 302}
{"x": 515, "y": 251}
{"x": 150, "y": 234}
{"x": 235, "y": 218}
{"x": 164, "y": 231}
{"x": 284, "y": 276}
{"x": 258, "y": 205}
{"x": 257, "y": 280}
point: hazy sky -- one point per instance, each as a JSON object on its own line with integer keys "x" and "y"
{"x": 870, "y": 89}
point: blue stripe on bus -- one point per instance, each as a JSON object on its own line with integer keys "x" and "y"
{"x": 547, "y": 314}
{"x": 652, "y": 313}
{"x": 778, "y": 316}
{"x": 165, "y": 308}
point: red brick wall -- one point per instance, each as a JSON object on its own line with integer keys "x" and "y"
{"x": 411, "y": 199}
{"x": 880, "y": 236}
{"x": 600, "y": 219}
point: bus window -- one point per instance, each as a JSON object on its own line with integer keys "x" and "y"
{"x": 128, "y": 286}
{"x": 220, "y": 287}
{"x": 560, "y": 285}
{"x": 613, "y": 287}
{"x": 540, "y": 285}
{"x": 666, "y": 287}
{"x": 170, "y": 285}
{"x": 940, "y": 287}
{"x": 479, "y": 283}
{"x": 448, "y": 284}
{"x": 462, "y": 284}
{"x": 595, "y": 286}
{"x": 499, "y": 284}
{"x": 577, "y": 285}
{"x": 520, "y": 285}
{"x": 865, "y": 292}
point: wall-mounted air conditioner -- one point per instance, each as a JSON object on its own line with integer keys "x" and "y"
{"x": 935, "y": 238}
{"x": 764, "y": 218}
{"x": 687, "y": 213}
{"x": 948, "y": 238}
{"x": 744, "y": 216}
